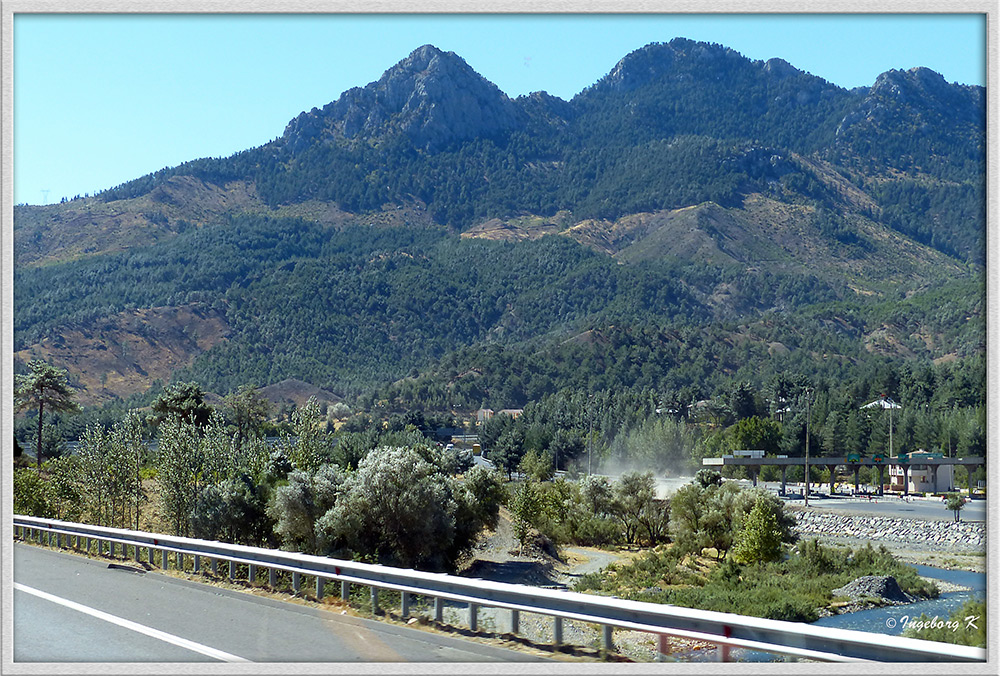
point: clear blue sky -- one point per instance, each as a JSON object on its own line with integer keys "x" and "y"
{"x": 102, "y": 99}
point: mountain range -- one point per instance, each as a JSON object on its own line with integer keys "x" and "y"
{"x": 427, "y": 241}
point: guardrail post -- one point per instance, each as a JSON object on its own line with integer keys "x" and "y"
{"x": 404, "y": 604}
{"x": 557, "y": 632}
{"x": 663, "y": 648}
{"x": 252, "y": 573}
{"x": 515, "y": 621}
{"x": 724, "y": 647}
{"x": 374, "y": 594}
{"x": 48, "y": 533}
{"x": 272, "y": 578}
{"x": 232, "y": 570}
{"x": 438, "y": 609}
{"x": 138, "y": 553}
{"x": 296, "y": 581}
{"x": 319, "y": 588}
{"x": 608, "y": 642}
{"x": 473, "y": 617}
{"x": 180, "y": 562}
{"x": 345, "y": 590}
{"x": 215, "y": 567}
{"x": 197, "y": 563}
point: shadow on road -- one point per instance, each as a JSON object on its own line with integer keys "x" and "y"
{"x": 534, "y": 573}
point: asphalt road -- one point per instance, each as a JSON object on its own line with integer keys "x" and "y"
{"x": 915, "y": 508}
{"x": 69, "y": 608}
{"x": 887, "y": 505}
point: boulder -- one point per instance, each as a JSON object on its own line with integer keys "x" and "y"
{"x": 884, "y": 587}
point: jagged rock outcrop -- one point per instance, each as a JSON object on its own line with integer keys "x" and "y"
{"x": 432, "y": 97}
{"x": 917, "y": 102}
{"x": 928, "y": 91}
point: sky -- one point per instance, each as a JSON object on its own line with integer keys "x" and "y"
{"x": 102, "y": 99}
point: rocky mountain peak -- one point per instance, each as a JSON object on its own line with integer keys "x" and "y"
{"x": 780, "y": 69}
{"x": 927, "y": 90}
{"x": 432, "y": 97}
{"x": 679, "y": 58}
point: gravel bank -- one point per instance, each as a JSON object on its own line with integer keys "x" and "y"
{"x": 961, "y": 537}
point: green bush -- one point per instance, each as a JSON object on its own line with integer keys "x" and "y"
{"x": 965, "y": 626}
{"x": 31, "y": 494}
{"x": 791, "y": 589}
{"x": 760, "y": 539}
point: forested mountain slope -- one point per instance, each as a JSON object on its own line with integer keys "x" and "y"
{"x": 692, "y": 217}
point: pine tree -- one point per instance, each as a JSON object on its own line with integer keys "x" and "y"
{"x": 43, "y": 386}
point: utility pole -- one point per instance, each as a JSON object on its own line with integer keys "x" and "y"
{"x": 590, "y": 435}
{"x": 808, "y": 391}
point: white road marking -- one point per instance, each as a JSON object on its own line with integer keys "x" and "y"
{"x": 134, "y": 626}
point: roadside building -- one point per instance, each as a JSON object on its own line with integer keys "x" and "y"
{"x": 921, "y": 478}
{"x": 484, "y": 414}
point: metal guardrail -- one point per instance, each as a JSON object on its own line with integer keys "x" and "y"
{"x": 727, "y": 630}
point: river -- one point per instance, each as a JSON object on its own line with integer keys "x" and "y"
{"x": 887, "y": 620}
{"x": 890, "y": 619}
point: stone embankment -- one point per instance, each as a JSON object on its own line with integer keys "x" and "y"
{"x": 942, "y": 536}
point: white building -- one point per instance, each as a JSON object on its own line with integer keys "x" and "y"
{"x": 922, "y": 478}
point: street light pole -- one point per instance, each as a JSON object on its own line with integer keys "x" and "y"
{"x": 890, "y": 433}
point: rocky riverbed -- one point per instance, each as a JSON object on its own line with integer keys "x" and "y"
{"x": 940, "y": 543}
